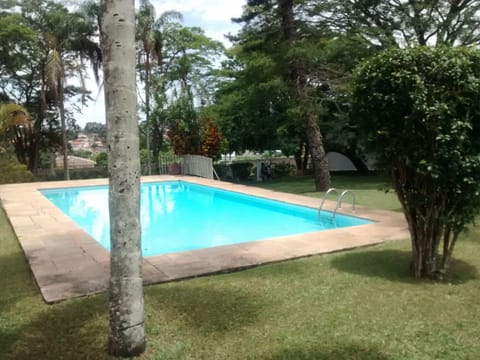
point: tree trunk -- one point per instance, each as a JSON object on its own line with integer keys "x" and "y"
{"x": 426, "y": 230}
{"x": 298, "y": 161}
{"x": 156, "y": 145}
{"x": 127, "y": 335}
{"x": 359, "y": 164}
{"x": 317, "y": 152}
{"x": 299, "y": 81}
{"x": 64, "y": 128}
{"x": 147, "y": 112}
{"x": 306, "y": 157}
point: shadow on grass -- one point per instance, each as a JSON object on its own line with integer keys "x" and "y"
{"x": 352, "y": 352}
{"x": 206, "y": 308}
{"x": 16, "y": 280}
{"x": 75, "y": 329}
{"x": 394, "y": 265}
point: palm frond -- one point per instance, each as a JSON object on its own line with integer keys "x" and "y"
{"x": 12, "y": 115}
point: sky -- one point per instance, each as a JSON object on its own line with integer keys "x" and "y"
{"x": 213, "y": 16}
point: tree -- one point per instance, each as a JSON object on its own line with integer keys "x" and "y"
{"x": 212, "y": 141}
{"x": 64, "y": 40}
{"x": 11, "y": 117}
{"x": 182, "y": 81}
{"x": 278, "y": 34}
{"x": 302, "y": 90}
{"x": 151, "y": 36}
{"x": 184, "y": 126}
{"x": 146, "y": 35}
{"x": 176, "y": 66}
{"x": 419, "y": 112}
{"x": 20, "y": 80}
{"x": 403, "y": 22}
{"x": 64, "y": 32}
{"x": 127, "y": 334}
{"x": 97, "y": 129}
{"x": 251, "y": 105}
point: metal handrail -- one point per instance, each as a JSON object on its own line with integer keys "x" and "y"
{"x": 325, "y": 198}
{"x": 340, "y": 198}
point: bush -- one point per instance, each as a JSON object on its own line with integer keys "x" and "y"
{"x": 101, "y": 159}
{"x": 13, "y": 172}
{"x": 419, "y": 113}
{"x": 282, "y": 169}
{"x": 241, "y": 171}
{"x": 221, "y": 170}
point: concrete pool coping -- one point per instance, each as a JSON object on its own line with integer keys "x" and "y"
{"x": 66, "y": 262}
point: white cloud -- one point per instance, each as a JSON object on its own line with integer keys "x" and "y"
{"x": 208, "y": 10}
{"x": 213, "y": 16}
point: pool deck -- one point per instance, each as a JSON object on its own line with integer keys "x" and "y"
{"x": 66, "y": 262}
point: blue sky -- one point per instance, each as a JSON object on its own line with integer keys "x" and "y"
{"x": 213, "y": 16}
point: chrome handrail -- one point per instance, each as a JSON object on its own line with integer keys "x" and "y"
{"x": 325, "y": 198}
{"x": 340, "y": 198}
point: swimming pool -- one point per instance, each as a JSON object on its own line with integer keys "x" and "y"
{"x": 178, "y": 216}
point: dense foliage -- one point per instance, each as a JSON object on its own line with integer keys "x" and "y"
{"x": 419, "y": 110}
{"x": 13, "y": 172}
{"x": 177, "y": 67}
{"x": 404, "y": 23}
{"x": 45, "y": 44}
{"x": 12, "y": 116}
{"x": 286, "y": 75}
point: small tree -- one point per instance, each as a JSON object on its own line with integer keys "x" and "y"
{"x": 419, "y": 111}
{"x": 11, "y": 116}
{"x": 212, "y": 141}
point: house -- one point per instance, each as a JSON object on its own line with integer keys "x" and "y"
{"x": 74, "y": 162}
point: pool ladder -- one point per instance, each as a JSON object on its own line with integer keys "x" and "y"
{"x": 340, "y": 197}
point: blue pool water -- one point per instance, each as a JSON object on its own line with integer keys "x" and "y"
{"x": 178, "y": 216}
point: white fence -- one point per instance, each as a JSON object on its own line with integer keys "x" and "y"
{"x": 197, "y": 165}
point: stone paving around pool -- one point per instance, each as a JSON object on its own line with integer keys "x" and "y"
{"x": 66, "y": 262}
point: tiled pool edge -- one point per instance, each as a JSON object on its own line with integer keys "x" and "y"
{"x": 66, "y": 262}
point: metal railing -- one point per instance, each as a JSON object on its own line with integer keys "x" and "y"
{"x": 340, "y": 197}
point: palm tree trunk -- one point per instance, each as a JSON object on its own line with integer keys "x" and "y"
{"x": 61, "y": 105}
{"x": 147, "y": 111}
{"x": 127, "y": 334}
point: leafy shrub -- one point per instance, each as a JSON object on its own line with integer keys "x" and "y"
{"x": 101, "y": 159}
{"x": 419, "y": 113}
{"x": 241, "y": 171}
{"x": 13, "y": 172}
{"x": 282, "y": 169}
{"x": 221, "y": 170}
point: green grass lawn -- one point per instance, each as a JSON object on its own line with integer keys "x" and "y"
{"x": 368, "y": 190}
{"x": 360, "y": 304}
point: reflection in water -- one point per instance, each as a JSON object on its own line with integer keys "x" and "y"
{"x": 88, "y": 207}
{"x": 178, "y": 216}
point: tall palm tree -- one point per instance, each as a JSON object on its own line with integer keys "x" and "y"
{"x": 67, "y": 38}
{"x": 149, "y": 35}
{"x": 127, "y": 334}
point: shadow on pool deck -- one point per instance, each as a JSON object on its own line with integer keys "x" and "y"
{"x": 66, "y": 262}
